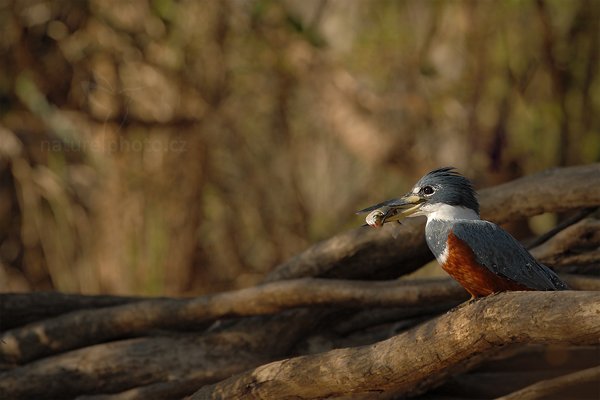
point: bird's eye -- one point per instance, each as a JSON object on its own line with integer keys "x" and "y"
{"x": 427, "y": 190}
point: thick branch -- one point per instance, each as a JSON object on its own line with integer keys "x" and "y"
{"x": 546, "y": 388}
{"x": 491, "y": 385}
{"x": 374, "y": 252}
{"x": 122, "y": 365}
{"x": 561, "y": 226}
{"x": 562, "y": 248}
{"x": 426, "y": 354}
{"x": 21, "y": 308}
{"x": 87, "y": 327}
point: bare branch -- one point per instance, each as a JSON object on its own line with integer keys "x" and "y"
{"x": 561, "y": 226}
{"x": 545, "y": 388}
{"x": 561, "y": 249}
{"x": 21, "y": 308}
{"x": 125, "y": 364}
{"x": 121, "y": 365}
{"x": 87, "y": 327}
{"x": 172, "y": 389}
{"x": 424, "y": 355}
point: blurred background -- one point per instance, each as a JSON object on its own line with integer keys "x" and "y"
{"x": 163, "y": 147}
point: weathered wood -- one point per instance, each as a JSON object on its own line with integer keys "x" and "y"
{"x": 561, "y": 226}
{"x": 126, "y": 364}
{"x": 370, "y": 316}
{"x": 121, "y": 365}
{"x": 18, "y": 309}
{"x": 548, "y": 387}
{"x": 88, "y": 327}
{"x": 173, "y": 389}
{"x": 491, "y": 385}
{"x": 576, "y": 244}
{"x": 519, "y": 366}
{"x": 537, "y": 357}
{"x": 426, "y": 354}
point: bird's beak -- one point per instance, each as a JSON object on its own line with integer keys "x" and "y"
{"x": 393, "y": 210}
{"x": 405, "y": 206}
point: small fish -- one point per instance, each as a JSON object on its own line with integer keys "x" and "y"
{"x": 376, "y": 218}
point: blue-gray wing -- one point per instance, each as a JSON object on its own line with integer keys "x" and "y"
{"x": 502, "y": 254}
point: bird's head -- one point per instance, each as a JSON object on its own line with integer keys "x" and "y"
{"x": 441, "y": 194}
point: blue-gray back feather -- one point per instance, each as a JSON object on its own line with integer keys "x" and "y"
{"x": 502, "y": 254}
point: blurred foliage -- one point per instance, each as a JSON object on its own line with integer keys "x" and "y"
{"x": 163, "y": 147}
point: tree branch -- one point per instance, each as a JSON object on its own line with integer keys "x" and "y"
{"x": 125, "y": 364}
{"x": 88, "y": 327}
{"x": 424, "y": 355}
{"x": 21, "y": 308}
{"x": 561, "y": 226}
{"x": 562, "y": 249}
{"x": 91, "y": 326}
{"x": 545, "y": 388}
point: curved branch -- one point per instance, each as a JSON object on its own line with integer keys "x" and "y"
{"x": 18, "y": 309}
{"x": 121, "y": 365}
{"x": 126, "y": 364}
{"x": 560, "y": 249}
{"x": 561, "y": 226}
{"x": 424, "y": 355}
{"x": 374, "y": 252}
{"x": 548, "y": 387}
{"x": 87, "y": 327}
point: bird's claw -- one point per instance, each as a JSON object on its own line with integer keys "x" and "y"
{"x": 463, "y": 304}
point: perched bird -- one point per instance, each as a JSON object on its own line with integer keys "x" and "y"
{"x": 481, "y": 256}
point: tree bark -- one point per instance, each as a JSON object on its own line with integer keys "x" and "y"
{"x": 404, "y": 364}
{"x": 18, "y": 309}
{"x": 87, "y": 327}
{"x": 545, "y": 388}
{"x": 92, "y": 326}
{"x": 126, "y": 364}
{"x": 569, "y": 246}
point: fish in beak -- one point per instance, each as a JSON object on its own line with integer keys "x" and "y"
{"x": 392, "y": 210}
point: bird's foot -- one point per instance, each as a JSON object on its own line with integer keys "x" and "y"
{"x": 466, "y": 303}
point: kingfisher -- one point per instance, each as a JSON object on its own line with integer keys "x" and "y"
{"x": 480, "y": 255}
